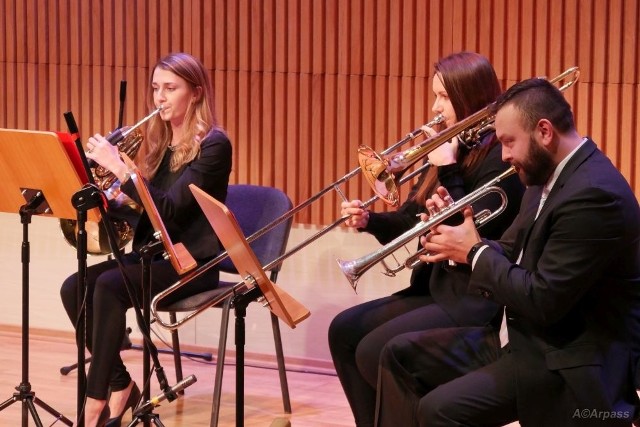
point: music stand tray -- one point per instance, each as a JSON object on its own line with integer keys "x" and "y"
{"x": 45, "y": 161}
{"x": 255, "y": 282}
{"x": 177, "y": 253}
{"x": 283, "y": 305}
{"x": 40, "y": 174}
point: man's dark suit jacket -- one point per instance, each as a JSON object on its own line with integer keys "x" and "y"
{"x": 573, "y": 307}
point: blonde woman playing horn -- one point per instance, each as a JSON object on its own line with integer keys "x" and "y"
{"x": 183, "y": 144}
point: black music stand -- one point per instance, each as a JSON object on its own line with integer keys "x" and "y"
{"x": 182, "y": 262}
{"x": 43, "y": 185}
{"x": 255, "y": 285}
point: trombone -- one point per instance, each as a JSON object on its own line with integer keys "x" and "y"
{"x": 381, "y": 171}
{"x": 238, "y": 287}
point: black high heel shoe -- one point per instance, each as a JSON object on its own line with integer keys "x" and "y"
{"x": 134, "y": 397}
{"x": 104, "y": 416}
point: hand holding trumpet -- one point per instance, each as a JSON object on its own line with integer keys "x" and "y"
{"x": 445, "y": 242}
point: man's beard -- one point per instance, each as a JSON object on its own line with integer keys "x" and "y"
{"x": 538, "y": 166}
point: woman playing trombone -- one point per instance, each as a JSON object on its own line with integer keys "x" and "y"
{"x": 183, "y": 144}
{"x": 463, "y": 83}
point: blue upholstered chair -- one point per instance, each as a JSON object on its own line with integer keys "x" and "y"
{"x": 254, "y": 207}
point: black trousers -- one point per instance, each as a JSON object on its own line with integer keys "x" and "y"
{"x": 107, "y": 302}
{"x": 358, "y": 335}
{"x": 446, "y": 377}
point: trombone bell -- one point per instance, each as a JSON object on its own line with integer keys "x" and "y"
{"x": 378, "y": 171}
{"x": 374, "y": 170}
{"x": 381, "y": 172}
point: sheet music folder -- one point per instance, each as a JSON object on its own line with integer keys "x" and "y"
{"x": 228, "y": 231}
{"x": 49, "y": 162}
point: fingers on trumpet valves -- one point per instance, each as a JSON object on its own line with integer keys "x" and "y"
{"x": 439, "y": 201}
{"x": 433, "y": 208}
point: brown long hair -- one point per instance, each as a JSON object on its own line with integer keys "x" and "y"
{"x": 472, "y": 84}
{"x": 200, "y": 118}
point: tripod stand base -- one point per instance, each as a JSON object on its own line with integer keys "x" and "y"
{"x": 146, "y": 419}
{"x": 28, "y": 398}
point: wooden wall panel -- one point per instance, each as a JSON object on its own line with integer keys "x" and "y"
{"x": 299, "y": 85}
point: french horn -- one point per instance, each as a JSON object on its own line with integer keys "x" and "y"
{"x": 123, "y": 211}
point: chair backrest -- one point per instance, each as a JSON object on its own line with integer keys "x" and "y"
{"x": 255, "y": 207}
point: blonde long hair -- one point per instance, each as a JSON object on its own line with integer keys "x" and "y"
{"x": 200, "y": 118}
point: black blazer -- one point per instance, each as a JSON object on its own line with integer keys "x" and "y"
{"x": 448, "y": 286}
{"x": 573, "y": 304}
{"x": 180, "y": 212}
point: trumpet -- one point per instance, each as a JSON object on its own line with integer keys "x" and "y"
{"x": 381, "y": 171}
{"x": 354, "y": 269}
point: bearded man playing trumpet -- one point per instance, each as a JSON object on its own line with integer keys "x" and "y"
{"x": 463, "y": 83}
{"x": 568, "y": 272}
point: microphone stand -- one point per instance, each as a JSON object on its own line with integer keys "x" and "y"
{"x": 147, "y": 253}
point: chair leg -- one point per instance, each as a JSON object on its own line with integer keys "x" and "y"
{"x": 284, "y": 385}
{"x": 175, "y": 343}
{"x": 222, "y": 345}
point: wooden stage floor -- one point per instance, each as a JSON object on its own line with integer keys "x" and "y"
{"x": 316, "y": 399}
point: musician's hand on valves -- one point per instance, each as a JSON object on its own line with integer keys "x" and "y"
{"x": 106, "y": 155}
{"x": 358, "y": 217}
{"x": 440, "y": 200}
{"x": 445, "y": 242}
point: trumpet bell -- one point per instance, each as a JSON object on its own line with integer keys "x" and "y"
{"x": 349, "y": 268}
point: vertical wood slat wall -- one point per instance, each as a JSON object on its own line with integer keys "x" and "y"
{"x": 300, "y": 84}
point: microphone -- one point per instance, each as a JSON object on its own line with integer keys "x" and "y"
{"x": 171, "y": 394}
